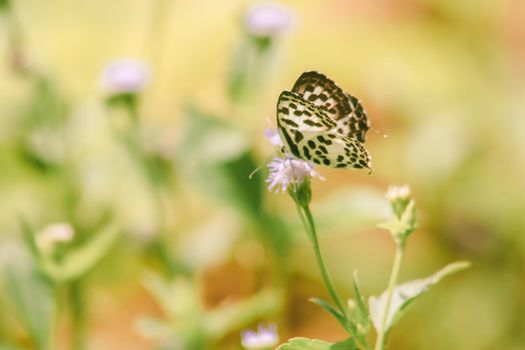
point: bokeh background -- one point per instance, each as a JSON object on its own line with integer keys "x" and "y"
{"x": 200, "y": 252}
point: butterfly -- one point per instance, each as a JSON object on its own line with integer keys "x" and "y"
{"x": 319, "y": 122}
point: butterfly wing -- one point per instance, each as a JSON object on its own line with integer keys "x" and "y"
{"x": 308, "y": 133}
{"x": 341, "y": 107}
{"x": 298, "y": 118}
{"x": 333, "y": 150}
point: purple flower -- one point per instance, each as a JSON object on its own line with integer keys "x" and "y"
{"x": 267, "y": 19}
{"x": 125, "y": 76}
{"x": 288, "y": 171}
{"x": 264, "y": 338}
{"x": 274, "y": 137}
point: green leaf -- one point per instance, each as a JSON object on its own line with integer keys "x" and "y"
{"x": 405, "y": 294}
{"x": 80, "y": 260}
{"x": 402, "y": 226}
{"x": 305, "y": 344}
{"x": 348, "y": 344}
{"x": 224, "y": 319}
{"x": 5, "y": 5}
{"x": 177, "y": 298}
{"x": 9, "y": 347}
{"x": 315, "y": 344}
{"x": 182, "y": 307}
{"x": 215, "y": 156}
{"x": 331, "y": 310}
{"x": 361, "y": 303}
{"x": 31, "y": 297}
{"x": 153, "y": 328}
{"x": 29, "y": 238}
{"x": 359, "y": 317}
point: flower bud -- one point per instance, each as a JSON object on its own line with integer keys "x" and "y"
{"x": 54, "y": 234}
{"x": 398, "y": 196}
{"x": 125, "y": 76}
{"x": 403, "y": 222}
{"x": 268, "y": 19}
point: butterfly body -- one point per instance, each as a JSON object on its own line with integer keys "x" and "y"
{"x": 319, "y": 122}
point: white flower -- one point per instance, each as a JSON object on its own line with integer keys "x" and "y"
{"x": 274, "y": 137}
{"x": 264, "y": 338}
{"x": 395, "y": 193}
{"x": 125, "y": 76}
{"x": 267, "y": 18}
{"x": 286, "y": 171}
{"x": 55, "y": 233}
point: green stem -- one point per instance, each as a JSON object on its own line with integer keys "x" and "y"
{"x": 390, "y": 291}
{"x": 308, "y": 222}
{"x": 170, "y": 263}
{"x": 78, "y": 315}
{"x": 51, "y": 341}
{"x": 143, "y": 160}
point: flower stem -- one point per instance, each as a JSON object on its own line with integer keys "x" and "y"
{"x": 391, "y": 284}
{"x": 150, "y": 172}
{"x": 78, "y": 315}
{"x": 308, "y": 222}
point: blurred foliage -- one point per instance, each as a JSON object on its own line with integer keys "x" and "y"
{"x": 444, "y": 79}
{"x": 30, "y": 296}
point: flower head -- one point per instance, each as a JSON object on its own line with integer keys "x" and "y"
{"x": 274, "y": 137}
{"x": 264, "y": 338}
{"x": 287, "y": 171}
{"x": 125, "y": 76}
{"x": 268, "y": 19}
{"x": 54, "y": 234}
{"x": 395, "y": 193}
{"x": 399, "y": 197}
{"x": 403, "y": 221}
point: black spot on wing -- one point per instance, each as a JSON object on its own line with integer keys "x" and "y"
{"x": 312, "y": 123}
{"x": 290, "y": 122}
{"x": 322, "y": 139}
{"x": 306, "y": 152}
{"x": 290, "y": 143}
{"x": 298, "y": 136}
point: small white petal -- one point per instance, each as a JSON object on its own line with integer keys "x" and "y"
{"x": 262, "y": 339}
{"x": 286, "y": 171}
{"x": 395, "y": 193}
{"x": 274, "y": 137}
{"x": 53, "y": 234}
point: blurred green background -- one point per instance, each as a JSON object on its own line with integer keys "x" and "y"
{"x": 200, "y": 251}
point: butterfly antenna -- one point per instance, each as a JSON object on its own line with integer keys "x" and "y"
{"x": 377, "y": 131}
{"x": 266, "y": 160}
{"x": 254, "y": 172}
